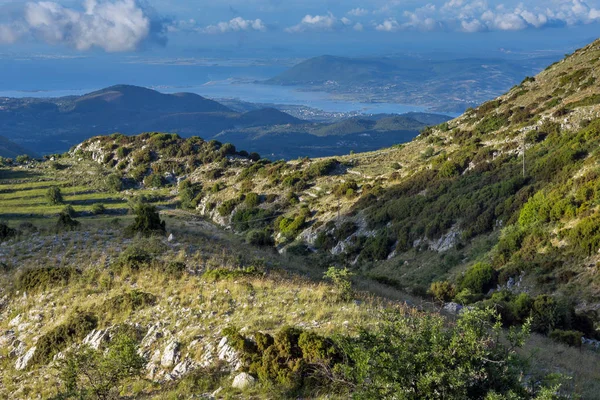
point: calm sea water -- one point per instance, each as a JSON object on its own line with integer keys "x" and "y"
{"x": 65, "y": 77}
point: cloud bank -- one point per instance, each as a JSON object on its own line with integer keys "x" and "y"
{"x": 237, "y": 24}
{"x": 113, "y": 26}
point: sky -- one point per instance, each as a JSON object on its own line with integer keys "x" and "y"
{"x": 290, "y": 28}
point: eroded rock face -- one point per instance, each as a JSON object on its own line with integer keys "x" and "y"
{"x": 170, "y": 355}
{"x": 23, "y": 361}
{"x": 96, "y": 338}
{"x": 228, "y": 354}
{"x": 243, "y": 381}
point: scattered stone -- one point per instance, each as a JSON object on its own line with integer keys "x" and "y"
{"x": 171, "y": 238}
{"x": 243, "y": 381}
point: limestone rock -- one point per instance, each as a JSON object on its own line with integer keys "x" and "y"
{"x": 228, "y": 354}
{"x": 23, "y": 361}
{"x": 96, "y": 337}
{"x": 170, "y": 356}
{"x": 243, "y": 381}
{"x": 453, "y": 308}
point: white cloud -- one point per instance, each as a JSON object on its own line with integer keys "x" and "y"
{"x": 237, "y": 24}
{"x": 8, "y": 34}
{"x": 358, "y": 27}
{"x": 113, "y": 26}
{"x": 315, "y": 23}
{"x": 389, "y": 25}
{"x": 358, "y": 12}
{"x": 478, "y": 15}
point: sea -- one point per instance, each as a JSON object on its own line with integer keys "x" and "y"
{"x": 48, "y": 77}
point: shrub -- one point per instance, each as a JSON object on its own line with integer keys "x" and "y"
{"x": 424, "y": 358}
{"x": 252, "y": 200}
{"x": 74, "y": 329}
{"x": 260, "y": 237}
{"x": 98, "y": 209}
{"x": 114, "y": 183}
{"x": 127, "y": 302}
{"x": 54, "y": 196}
{"x": 218, "y": 274}
{"x": 154, "y": 181}
{"x": 6, "y": 232}
{"x": 479, "y": 278}
{"x": 87, "y": 373}
{"x": 147, "y": 221}
{"x": 66, "y": 223}
{"x": 571, "y": 338}
{"x": 342, "y": 281}
{"x": 43, "y": 278}
{"x": 442, "y": 291}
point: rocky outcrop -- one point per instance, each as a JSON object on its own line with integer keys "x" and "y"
{"x": 243, "y": 381}
{"x": 23, "y": 361}
{"x": 229, "y": 355}
{"x": 171, "y": 354}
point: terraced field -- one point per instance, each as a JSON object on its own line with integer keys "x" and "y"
{"x": 23, "y": 194}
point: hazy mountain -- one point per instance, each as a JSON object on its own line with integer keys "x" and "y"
{"x": 442, "y": 85}
{"x": 54, "y": 125}
{"x": 10, "y": 149}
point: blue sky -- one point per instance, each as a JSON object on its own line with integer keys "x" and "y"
{"x": 292, "y": 28}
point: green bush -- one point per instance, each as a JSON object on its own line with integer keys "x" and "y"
{"x": 98, "y": 209}
{"x": 54, "y": 341}
{"x": 479, "y": 278}
{"x": 87, "y": 373}
{"x": 147, "y": 221}
{"x": 342, "y": 281}
{"x": 34, "y": 279}
{"x": 260, "y": 237}
{"x": 442, "y": 291}
{"x": 54, "y": 196}
{"x": 114, "y": 183}
{"x": 66, "y": 223}
{"x": 127, "y": 302}
{"x": 219, "y": 274}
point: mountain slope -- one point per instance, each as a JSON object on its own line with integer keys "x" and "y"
{"x": 454, "y": 203}
{"x": 10, "y": 149}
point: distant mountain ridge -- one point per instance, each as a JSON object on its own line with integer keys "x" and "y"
{"x": 10, "y": 149}
{"x": 54, "y": 125}
{"x": 441, "y": 85}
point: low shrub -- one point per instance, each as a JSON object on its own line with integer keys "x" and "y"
{"x": 73, "y": 330}
{"x": 42, "y": 278}
{"x": 219, "y": 274}
{"x": 570, "y": 338}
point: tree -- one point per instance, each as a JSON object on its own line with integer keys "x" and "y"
{"x": 342, "y": 281}
{"x": 95, "y": 374}
{"x": 147, "y": 221}
{"x": 54, "y": 196}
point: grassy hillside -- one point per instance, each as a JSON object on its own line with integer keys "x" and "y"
{"x": 450, "y": 222}
{"x": 455, "y": 200}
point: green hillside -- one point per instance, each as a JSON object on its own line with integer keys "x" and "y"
{"x": 460, "y": 265}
